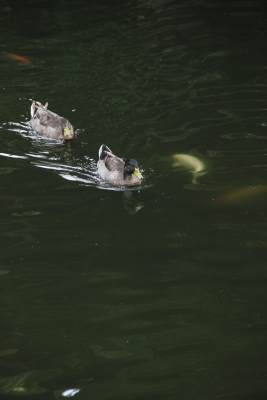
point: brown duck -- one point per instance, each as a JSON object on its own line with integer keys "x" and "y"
{"x": 49, "y": 124}
{"x": 118, "y": 171}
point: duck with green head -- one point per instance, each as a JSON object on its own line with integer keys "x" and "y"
{"x": 49, "y": 124}
{"x": 118, "y": 171}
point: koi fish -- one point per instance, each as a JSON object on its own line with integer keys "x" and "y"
{"x": 242, "y": 195}
{"x": 19, "y": 58}
{"x": 191, "y": 163}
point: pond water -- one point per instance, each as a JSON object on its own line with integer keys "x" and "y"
{"x": 156, "y": 293}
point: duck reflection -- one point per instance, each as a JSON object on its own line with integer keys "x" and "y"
{"x": 131, "y": 201}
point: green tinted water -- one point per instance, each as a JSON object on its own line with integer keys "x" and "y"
{"x": 160, "y": 294}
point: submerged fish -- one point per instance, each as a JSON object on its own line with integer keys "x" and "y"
{"x": 242, "y": 195}
{"x": 19, "y": 58}
{"x": 191, "y": 163}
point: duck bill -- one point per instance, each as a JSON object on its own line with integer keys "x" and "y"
{"x": 137, "y": 173}
{"x": 68, "y": 134}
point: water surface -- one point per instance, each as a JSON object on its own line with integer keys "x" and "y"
{"x": 158, "y": 293}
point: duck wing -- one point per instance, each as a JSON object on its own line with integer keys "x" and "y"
{"x": 35, "y": 106}
{"x": 114, "y": 163}
{"x": 48, "y": 118}
{"x": 42, "y": 116}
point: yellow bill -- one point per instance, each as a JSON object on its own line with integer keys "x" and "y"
{"x": 67, "y": 133}
{"x": 137, "y": 173}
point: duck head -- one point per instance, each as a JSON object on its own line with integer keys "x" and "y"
{"x": 131, "y": 168}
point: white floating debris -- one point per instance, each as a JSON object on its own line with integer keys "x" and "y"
{"x": 70, "y": 392}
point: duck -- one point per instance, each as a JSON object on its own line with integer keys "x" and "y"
{"x": 118, "y": 171}
{"x": 49, "y": 124}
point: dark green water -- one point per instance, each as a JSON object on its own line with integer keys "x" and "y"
{"x": 160, "y": 294}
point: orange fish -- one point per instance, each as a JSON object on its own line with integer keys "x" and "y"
{"x": 19, "y": 58}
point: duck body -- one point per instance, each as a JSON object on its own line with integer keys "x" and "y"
{"x": 49, "y": 124}
{"x": 117, "y": 171}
